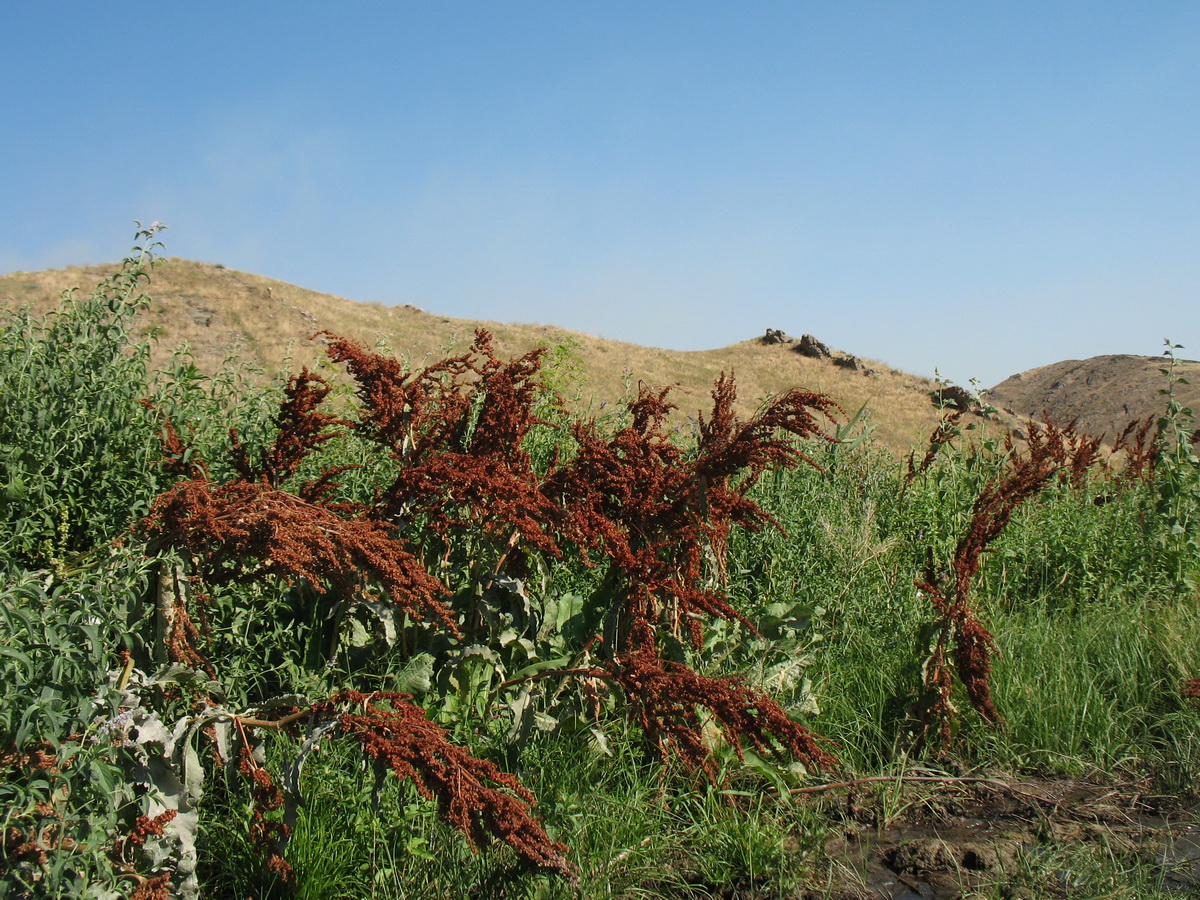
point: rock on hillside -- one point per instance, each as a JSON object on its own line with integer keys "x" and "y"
{"x": 1104, "y": 393}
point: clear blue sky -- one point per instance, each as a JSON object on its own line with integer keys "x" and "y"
{"x": 981, "y": 187}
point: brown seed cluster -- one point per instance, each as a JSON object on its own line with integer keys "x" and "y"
{"x": 267, "y": 835}
{"x": 472, "y": 794}
{"x": 945, "y": 432}
{"x": 145, "y": 827}
{"x": 1142, "y": 450}
{"x": 156, "y": 888}
{"x": 666, "y": 698}
{"x": 454, "y": 435}
{"x": 1049, "y": 451}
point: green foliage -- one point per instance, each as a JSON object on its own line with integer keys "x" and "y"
{"x": 1177, "y": 476}
{"x": 76, "y": 447}
{"x": 66, "y": 787}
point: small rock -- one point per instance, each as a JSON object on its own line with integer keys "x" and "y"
{"x": 954, "y": 396}
{"x": 810, "y": 346}
{"x": 202, "y": 316}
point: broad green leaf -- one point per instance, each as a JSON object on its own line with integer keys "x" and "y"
{"x": 416, "y": 677}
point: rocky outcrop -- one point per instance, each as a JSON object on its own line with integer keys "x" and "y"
{"x": 955, "y": 397}
{"x": 848, "y": 362}
{"x": 811, "y": 347}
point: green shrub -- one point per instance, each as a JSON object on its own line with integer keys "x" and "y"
{"x": 77, "y": 449}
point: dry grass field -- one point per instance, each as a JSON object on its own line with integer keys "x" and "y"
{"x": 223, "y": 314}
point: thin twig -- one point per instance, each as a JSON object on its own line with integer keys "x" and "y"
{"x": 551, "y": 673}
{"x": 271, "y": 723}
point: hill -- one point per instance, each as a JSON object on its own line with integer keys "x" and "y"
{"x": 1104, "y": 393}
{"x": 224, "y": 314}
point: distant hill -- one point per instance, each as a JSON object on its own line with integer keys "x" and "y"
{"x": 221, "y": 313}
{"x": 1104, "y": 393}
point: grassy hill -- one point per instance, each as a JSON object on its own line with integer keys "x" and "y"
{"x": 221, "y": 314}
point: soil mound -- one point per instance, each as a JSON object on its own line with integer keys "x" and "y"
{"x": 1103, "y": 393}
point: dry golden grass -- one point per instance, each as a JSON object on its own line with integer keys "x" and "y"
{"x": 221, "y": 313}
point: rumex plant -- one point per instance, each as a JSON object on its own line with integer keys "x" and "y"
{"x": 662, "y": 518}
{"x": 1140, "y": 448}
{"x": 959, "y": 643}
{"x": 460, "y": 514}
{"x": 472, "y": 794}
{"x": 250, "y": 530}
{"x": 946, "y": 431}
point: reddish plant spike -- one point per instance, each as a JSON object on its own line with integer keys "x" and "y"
{"x": 246, "y": 531}
{"x": 973, "y": 660}
{"x": 666, "y": 698}
{"x": 659, "y": 517}
{"x": 1141, "y": 451}
{"x": 944, "y": 433}
{"x": 454, "y": 490}
{"x": 266, "y": 835}
{"x": 302, "y": 428}
{"x": 175, "y": 460}
{"x": 472, "y": 794}
{"x": 459, "y": 426}
{"x": 1050, "y": 449}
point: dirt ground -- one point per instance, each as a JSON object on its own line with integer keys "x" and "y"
{"x": 1017, "y": 839}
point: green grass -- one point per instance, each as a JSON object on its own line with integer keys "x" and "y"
{"x": 634, "y": 830}
{"x": 1101, "y": 690}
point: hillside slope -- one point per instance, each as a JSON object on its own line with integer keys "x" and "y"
{"x": 221, "y": 313}
{"x": 1104, "y": 392}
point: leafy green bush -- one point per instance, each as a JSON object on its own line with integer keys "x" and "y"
{"x": 77, "y": 449}
{"x": 66, "y": 787}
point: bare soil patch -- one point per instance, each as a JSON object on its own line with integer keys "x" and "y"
{"x": 999, "y": 839}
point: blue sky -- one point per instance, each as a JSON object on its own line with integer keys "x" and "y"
{"x": 977, "y": 187}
